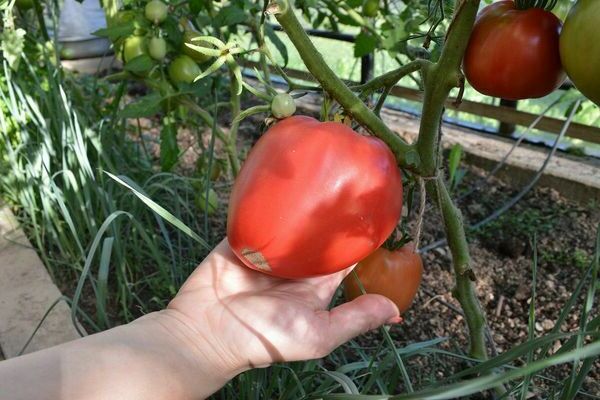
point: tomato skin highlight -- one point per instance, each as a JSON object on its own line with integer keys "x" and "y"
{"x": 580, "y": 47}
{"x": 312, "y": 199}
{"x": 514, "y": 54}
{"x": 393, "y": 274}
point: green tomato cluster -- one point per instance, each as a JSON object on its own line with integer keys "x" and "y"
{"x": 152, "y": 36}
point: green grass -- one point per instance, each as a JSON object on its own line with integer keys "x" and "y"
{"x": 84, "y": 225}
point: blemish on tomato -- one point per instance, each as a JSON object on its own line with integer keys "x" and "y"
{"x": 257, "y": 259}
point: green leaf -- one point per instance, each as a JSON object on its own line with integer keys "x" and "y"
{"x": 365, "y": 44}
{"x": 196, "y": 6}
{"x": 230, "y": 15}
{"x": 115, "y": 32}
{"x": 147, "y": 106}
{"x": 141, "y": 63}
{"x": 396, "y": 34}
{"x": 169, "y": 151}
{"x": 278, "y": 43}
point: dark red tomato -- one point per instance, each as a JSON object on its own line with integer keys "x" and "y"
{"x": 313, "y": 198}
{"x": 393, "y": 274}
{"x": 514, "y": 54}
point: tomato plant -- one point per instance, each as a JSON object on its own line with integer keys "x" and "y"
{"x": 157, "y": 48}
{"x": 134, "y": 46}
{"x": 183, "y": 69}
{"x": 514, "y": 53}
{"x": 308, "y": 199}
{"x": 283, "y": 106}
{"x": 393, "y": 274}
{"x": 580, "y": 47}
{"x": 156, "y": 11}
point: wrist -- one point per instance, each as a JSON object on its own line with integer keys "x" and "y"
{"x": 192, "y": 357}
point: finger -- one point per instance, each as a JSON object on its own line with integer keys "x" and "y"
{"x": 361, "y": 315}
{"x": 324, "y": 286}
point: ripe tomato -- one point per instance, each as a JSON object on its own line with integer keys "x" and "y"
{"x": 393, "y": 274}
{"x": 157, "y": 47}
{"x": 313, "y": 198}
{"x": 183, "y": 69}
{"x": 188, "y": 35}
{"x": 283, "y": 106}
{"x": 370, "y": 8}
{"x": 580, "y": 47}
{"x": 156, "y": 11}
{"x": 133, "y": 47}
{"x": 514, "y": 54}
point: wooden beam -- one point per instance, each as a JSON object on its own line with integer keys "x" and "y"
{"x": 501, "y": 113}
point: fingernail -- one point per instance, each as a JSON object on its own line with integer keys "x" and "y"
{"x": 394, "y": 320}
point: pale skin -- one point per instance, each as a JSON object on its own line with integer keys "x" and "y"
{"x": 226, "y": 319}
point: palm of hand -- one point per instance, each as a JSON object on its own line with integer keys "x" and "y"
{"x": 251, "y": 319}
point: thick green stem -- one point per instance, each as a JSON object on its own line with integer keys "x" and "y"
{"x": 440, "y": 80}
{"x": 235, "y": 112}
{"x": 391, "y": 78}
{"x": 405, "y": 153}
{"x": 464, "y": 290}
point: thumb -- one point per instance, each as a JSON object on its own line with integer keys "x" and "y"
{"x": 361, "y": 315}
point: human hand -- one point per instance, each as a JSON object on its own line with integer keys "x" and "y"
{"x": 240, "y": 318}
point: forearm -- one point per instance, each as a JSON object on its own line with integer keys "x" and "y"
{"x": 151, "y": 358}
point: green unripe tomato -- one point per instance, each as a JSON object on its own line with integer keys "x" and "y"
{"x": 371, "y": 8}
{"x": 283, "y": 106}
{"x": 24, "y": 5}
{"x": 133, "y": 47}
{"x": 580, "y": 47}
{"x": 156, "y": 11}
{"x": 122, "y": 18}
{"x": 157, "y": 48}
{"x": 188, "y": 35}
{"x": 213, "y": 201}
{"x": 183, "y": 69}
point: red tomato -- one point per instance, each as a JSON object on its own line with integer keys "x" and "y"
{"x": 393, "y": 274}
{"x": 514, "y": 54}
{"x": 313, "y": 198}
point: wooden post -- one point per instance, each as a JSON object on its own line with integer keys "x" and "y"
{"x": 506, "y": 129}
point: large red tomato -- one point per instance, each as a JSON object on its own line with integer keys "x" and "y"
{"x": 514, "y": 54}
{"x": 313, "y": 198}
{"x": 393, "y": 274}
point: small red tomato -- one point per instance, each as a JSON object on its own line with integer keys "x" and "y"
{"x": 313, "y": 198}
{"x": 393, "y": 274}
{"x": 514, "y": 54}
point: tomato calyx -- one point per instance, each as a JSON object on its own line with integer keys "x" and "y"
{"x": 547, "y": 5}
